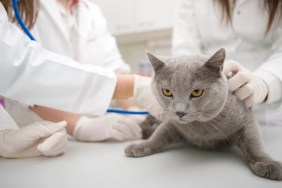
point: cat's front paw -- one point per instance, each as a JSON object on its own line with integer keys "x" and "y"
{"x": 268, "y": 169}
{"x": 137, "y": 150}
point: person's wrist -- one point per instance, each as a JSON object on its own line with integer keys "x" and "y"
{"x": 274, "y": 87}
{"x": 263, "y": 89}
{"x": 124, "y": 87}
{"x": 71, "y": 123}
{"x": 140, "y": 83}
{"x": 82, "y": 121}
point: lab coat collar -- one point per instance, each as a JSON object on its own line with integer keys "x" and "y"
{"x": 54, "y": 13}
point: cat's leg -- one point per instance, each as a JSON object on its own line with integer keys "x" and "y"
{"x": 250, "y": 142}
{"x": 165, "y": 135}
{"x": 148, "y": 126}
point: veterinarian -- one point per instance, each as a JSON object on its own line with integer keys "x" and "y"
{"x": 78, "y": 30}
{"x": 251, "y": 33}
{"x": 30, "y": 74}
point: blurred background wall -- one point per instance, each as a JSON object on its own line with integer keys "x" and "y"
{"x": 140, "y": 25}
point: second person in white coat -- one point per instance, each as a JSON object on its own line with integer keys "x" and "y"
{"x": 251, "y": 33}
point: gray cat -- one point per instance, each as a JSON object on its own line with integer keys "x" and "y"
{"x": 198, "y": 108}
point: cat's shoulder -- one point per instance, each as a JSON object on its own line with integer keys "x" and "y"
{"x": 236, "y": 104}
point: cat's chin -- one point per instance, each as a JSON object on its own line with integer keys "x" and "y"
{"x": 205, "y": 118}
{"x": 183, "y": 121}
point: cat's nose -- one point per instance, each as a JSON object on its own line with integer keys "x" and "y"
{"x": 180, "y": 114}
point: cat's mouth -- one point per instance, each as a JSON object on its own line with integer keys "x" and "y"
{"x": 181, "y": 120}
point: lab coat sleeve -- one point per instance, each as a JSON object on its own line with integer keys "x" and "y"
{"x": 6, "y": 121}
{"x": 185, "y": 39}
{"x": 33, "y": 75}
{"x": 111, "y": 57}
{"x": 271, "y": 70}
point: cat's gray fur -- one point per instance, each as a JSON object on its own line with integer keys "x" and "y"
{"x": 215, "y": 119}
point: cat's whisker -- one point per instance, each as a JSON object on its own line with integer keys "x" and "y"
{"x": 220, "y": 124}
{"x": 165, "y": 115}
{"x": 211, "y": 130}
{"x": 210, "y": 102}
{"x": 210, "y": 123}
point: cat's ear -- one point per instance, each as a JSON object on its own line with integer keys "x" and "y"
{"x": 156, "y": 62}
{"x": 216, "y": 61}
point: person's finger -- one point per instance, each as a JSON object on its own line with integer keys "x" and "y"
{"x": 249, "y": 101}
{"x": 244, "y": 91}
{"x": 49, "y": 128}
{"x": 116, "y": 135}
{"x": 125, "y": 130}
{"x": 229, "y": 75}
{"x": 138, "y": 118}
{"x": 53, "y": 145}
{"x": 238, "y": 80}
{"x": 43, "y": 129}
{"x": 28, "y": 152}
{"x": 136, "y": 131}
{"x": 232, "y": 67}
{"x": 126, "y": 126}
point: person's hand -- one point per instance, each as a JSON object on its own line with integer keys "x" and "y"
{"x": 108, "y": 127}
{"x": 37, "y": 139}
{"x": 137, "y": 118}
{"x": 244, "y": 84}
{"x": 144, "y": 97}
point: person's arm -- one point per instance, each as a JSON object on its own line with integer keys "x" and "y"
{"x": 270, "y": 71}
{"x": 127, "y": 86}
{"x": 123, "y": 90}
{"x": 54, "y": 115}
{"x": 185, "y": 39}
{"x": 124, "y": 87}
{"x": 264, "y": 85}
{"x": 33, "y": 75}
{"x": 110, "y": 55}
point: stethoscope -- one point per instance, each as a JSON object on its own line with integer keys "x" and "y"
{"x": 25, "y": 29}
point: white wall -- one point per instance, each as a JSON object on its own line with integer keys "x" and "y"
{"x": 139, "y": 25}
{"x": 127, "y": 16}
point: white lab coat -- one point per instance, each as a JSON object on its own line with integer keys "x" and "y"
{"x": 199, "y": 29}
{"x": 91, "y": 44}
{"x": 33, "y": 75}
{"x": 88, "y": 43}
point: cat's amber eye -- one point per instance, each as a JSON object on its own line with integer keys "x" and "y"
{"x": 197, "y": 93}
{"x": 167, "y": 93}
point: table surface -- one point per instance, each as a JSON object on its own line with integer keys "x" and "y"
{"x": 102, "y": 165}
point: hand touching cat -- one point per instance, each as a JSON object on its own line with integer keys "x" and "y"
{"x": 244, "y": 84}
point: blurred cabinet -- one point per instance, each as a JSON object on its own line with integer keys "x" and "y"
{"x": 119, "y": 15}
{"x": 128, "y": 16}
{"x": 153, "y": 14}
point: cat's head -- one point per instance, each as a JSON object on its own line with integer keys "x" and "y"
{"x": 190, "y": 87}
